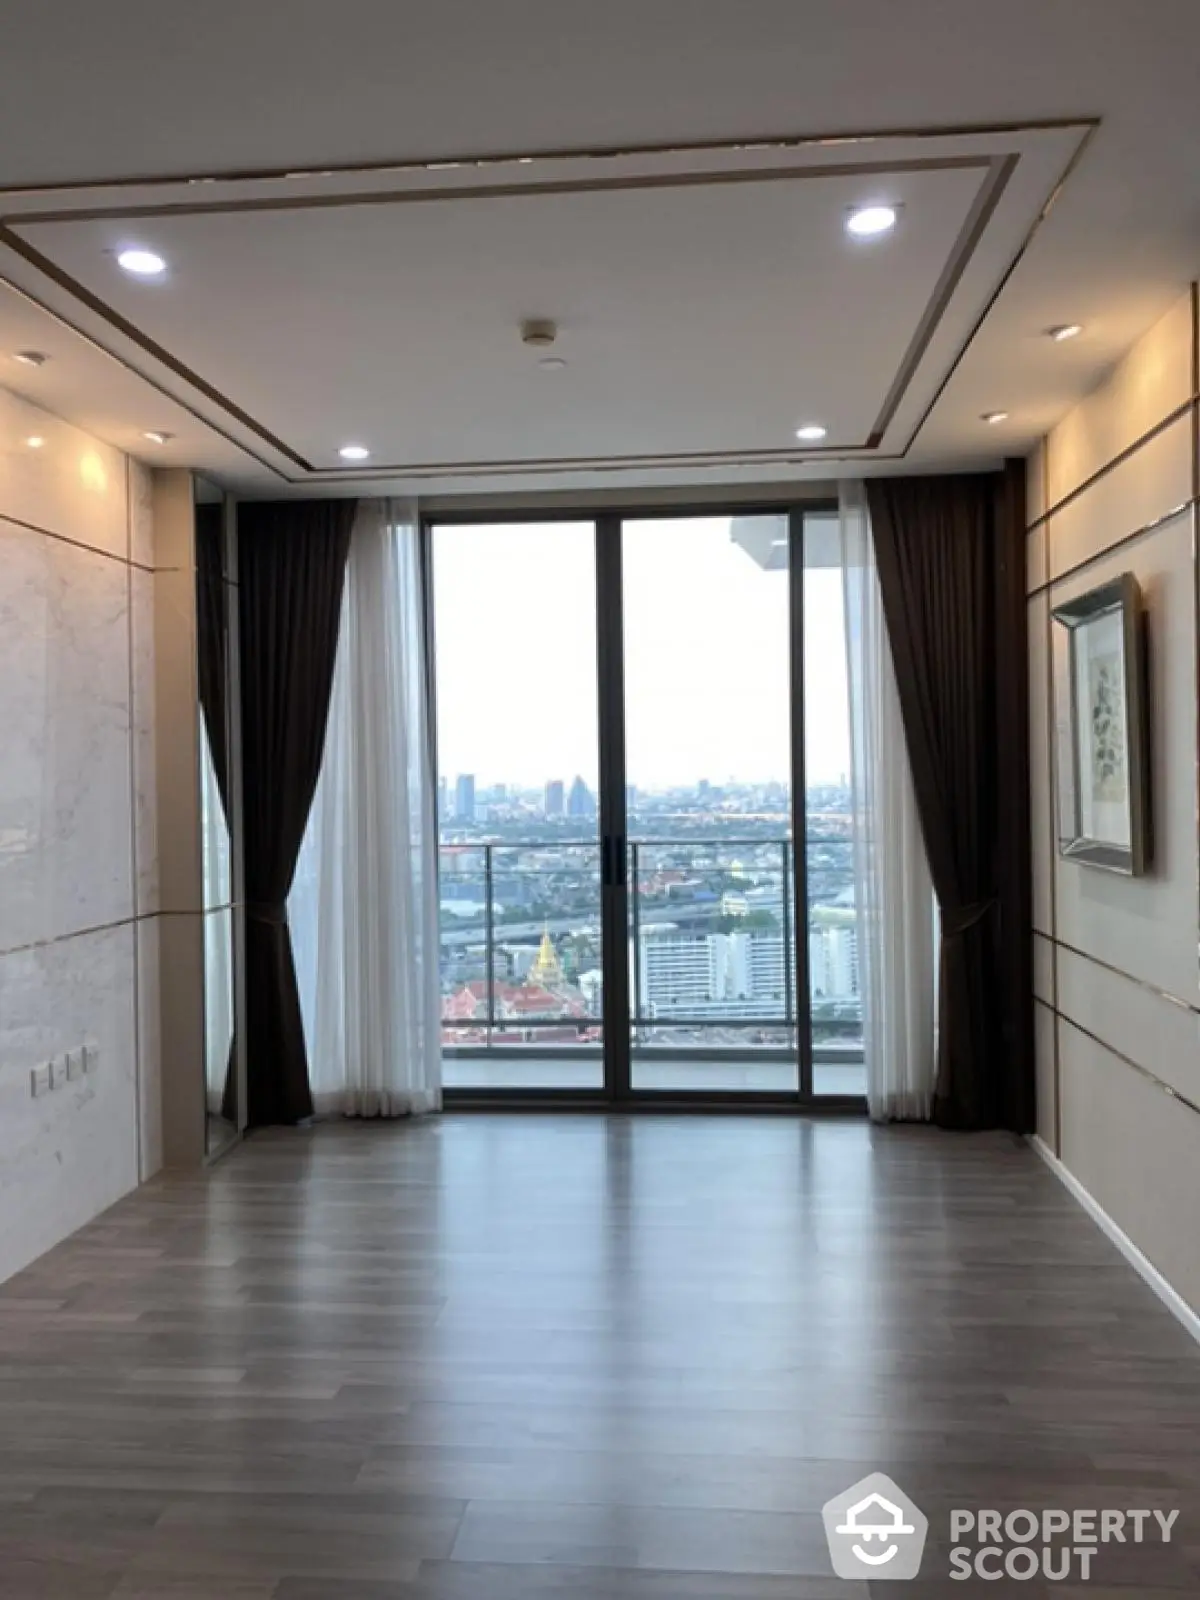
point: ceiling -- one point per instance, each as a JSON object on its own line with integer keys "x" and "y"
{"x": 358, "y": 214}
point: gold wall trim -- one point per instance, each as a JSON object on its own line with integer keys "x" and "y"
{"x": 1113, "y": 462}
{"x": 1154, "y": 989}
{"x": 1146, "y": 529}
{"x": 76, "y": 544}
{"x": 79, "y": 933}
{"x": 1151, "y": 1077}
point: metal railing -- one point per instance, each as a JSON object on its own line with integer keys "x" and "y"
{"x": 572, "y": 905}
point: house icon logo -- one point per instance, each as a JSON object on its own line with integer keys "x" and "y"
{"x": 875, "y": 1531}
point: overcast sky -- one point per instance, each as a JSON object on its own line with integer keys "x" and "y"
{"x": 706, "y": 664}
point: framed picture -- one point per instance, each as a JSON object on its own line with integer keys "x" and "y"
{"x": 1103, "y": 761}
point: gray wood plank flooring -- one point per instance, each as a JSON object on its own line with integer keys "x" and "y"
{"x": 578, "y": 1357}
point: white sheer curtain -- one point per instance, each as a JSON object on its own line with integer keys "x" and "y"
{"x": 893, "y": 888}
{"x": 217, "y": 890}
{"x": 363, "y": 910}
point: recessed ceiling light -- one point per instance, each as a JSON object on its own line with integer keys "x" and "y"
{"x": 992, "y": 417}
{"x": 35, "y": 441}
{"x": 1068, "y": 330}
{"x": 354, "y": 452}
{"x": 31, "y": 358}
{"x": 869, "y": 221}
{"x": 157, "y": 436}
{"x": 552, "y": 363}
{"x": 811, "y": 431}
{"x": 141, "y": 263}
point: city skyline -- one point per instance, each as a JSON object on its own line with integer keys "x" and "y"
{"x": 508, "y": 787}
{"x": 706, "y": 657}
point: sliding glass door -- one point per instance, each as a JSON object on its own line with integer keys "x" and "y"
{"x": 515, "y": 656}
{"x": 708, "y": 772}
{"x": 646, "y": 858}
{"x": 829, "y": 919}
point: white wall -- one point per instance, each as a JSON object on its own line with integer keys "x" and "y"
{"x": 1116, "y": 964}
{"x": 78, "y": 889}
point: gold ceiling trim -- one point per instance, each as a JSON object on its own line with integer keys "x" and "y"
{"x": 997, "y": 169}
{"x": 773, "y": 142}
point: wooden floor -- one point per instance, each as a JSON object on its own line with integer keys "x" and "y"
{"x": 578, "y": 1358}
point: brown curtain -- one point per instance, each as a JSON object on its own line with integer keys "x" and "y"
{"x": 212, "y": 638}
{"x": 951, "y": 560}
{"x": 291, "y": 570}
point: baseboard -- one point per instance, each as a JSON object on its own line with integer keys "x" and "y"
{"x": 1171, "y": 1298}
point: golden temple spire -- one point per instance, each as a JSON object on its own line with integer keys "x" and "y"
{"x": 546, "y": 969}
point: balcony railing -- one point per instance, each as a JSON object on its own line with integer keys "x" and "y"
{"x": 520, "y": 935}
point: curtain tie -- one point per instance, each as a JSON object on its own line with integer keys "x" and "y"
{"x": 264, "y": 911}
{"x": 963, "y": 918}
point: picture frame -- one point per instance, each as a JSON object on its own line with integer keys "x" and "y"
{"x": 1103, "y": 756}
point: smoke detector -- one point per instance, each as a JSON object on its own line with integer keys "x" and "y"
{"x": 539, "y": 332}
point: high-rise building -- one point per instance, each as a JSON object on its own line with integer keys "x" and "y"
{"x": 581, "y": 803}
{"x": 716, "y": 975}
{"x": 552, "y": 800}
{"x": 679, "y": 974}
{"x": 712, "y": 975}
{"x": 443, "y": 799}
{"x": 464, "y": 797}
{"x": 756, "y": 968}
{"x": 833, "y": 961}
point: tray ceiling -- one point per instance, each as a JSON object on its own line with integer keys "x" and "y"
{"x": 709, "y": 301}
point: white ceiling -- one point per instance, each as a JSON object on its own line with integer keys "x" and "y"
{"x": 701, "y": 320}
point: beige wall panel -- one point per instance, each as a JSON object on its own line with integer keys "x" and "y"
{"x": 150, "y": 1095}
{"x": 1159, "y": 1034}
{"x": 141, "y": 514}
{"x": 1043, "y": 968}
{"x": 1037, "y": 570}
{"x": 1148, "y": 485}
{"x": 176, "y": 695}
{"x": 1153, "y": 379}
{"x": 181, "y": 991}
{"x": 71, "y": 486}
{"x": 1040, "y": 777}
{"x": 1137, "y": 1151}
{"x": 1043, "y": 1048}
{"x": 145, "y": 780}
{"x": 1035, "y": 482}
{"x": 1148, "y": 926}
